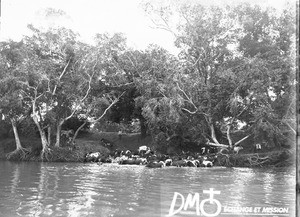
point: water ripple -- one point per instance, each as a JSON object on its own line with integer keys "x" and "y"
{"x": 52, "y": 189}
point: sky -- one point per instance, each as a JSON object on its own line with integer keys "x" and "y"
{"x": 88, "y": 17}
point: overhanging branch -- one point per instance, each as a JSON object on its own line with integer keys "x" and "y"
{"x": 105, "y": 111}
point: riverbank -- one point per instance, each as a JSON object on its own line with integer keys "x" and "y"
{"x": 91, "y": 142}
{"x": 278, "y": 158}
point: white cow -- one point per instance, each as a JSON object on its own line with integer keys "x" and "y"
{"x": 143, "y": 148}
{"x": 168, "y": 162}
{"x": 207, "y": 163}
{"x": 236, "y": 149}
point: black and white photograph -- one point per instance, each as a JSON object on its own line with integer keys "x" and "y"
{"x": 149, "y": 108}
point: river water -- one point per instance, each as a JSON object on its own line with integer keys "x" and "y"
{"x": 77, "y": 189}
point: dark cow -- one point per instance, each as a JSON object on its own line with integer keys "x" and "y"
{"x": 156, "y": 164}
{"x": 118, "y": 153}
{"x": 106, "y": 143}
{"x": 152, "y": 157}
{"x": 105, "y": 159}
{"x": 179, "y": 163}
{"x": 133, "y": 161}
{"x": 193, "y": 163}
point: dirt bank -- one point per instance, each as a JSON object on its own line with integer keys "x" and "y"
{"x": 91, "y": 142}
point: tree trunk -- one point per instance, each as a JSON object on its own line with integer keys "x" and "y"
{"x": 228, "y": 136}
{"x": 44, "y": 139}
{"x": 17, "y": 138}
{"x": 42, "y": 133}
{"x": 49, "y": 135}
{"x": 212, "y": 130}
{"x": 228, "y": 133}
{"x": 77, "y": 131}
{"x": 143, "y": 127}
{"x": 58, "y": 130}
{"x": 45, "y": 146}
{"x": 213, "y": 134}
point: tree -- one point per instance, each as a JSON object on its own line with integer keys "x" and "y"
{"x": 233, "y": 62}
{"x": 203, "y": 36}
{"x": 144, "y": 71}
{"x": 134, "y": 65}
{"x": 40, "y": 68}
{"x": 104, "y": 91}
{"x": 12, "y": 106}
{"x": 58, "y": 77}
{"x": 96, "y": 111}
{"x": 268, "y": 59}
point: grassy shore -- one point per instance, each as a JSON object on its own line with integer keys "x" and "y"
{"x": 90, "y": 142}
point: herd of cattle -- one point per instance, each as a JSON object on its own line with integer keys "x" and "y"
{"x": 145, "y": 156}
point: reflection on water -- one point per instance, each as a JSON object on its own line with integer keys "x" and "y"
{"x": 61, "y": 189}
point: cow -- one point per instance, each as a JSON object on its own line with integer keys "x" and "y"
{"x": 179, "y": 163}
{"x": 206, "y": 163}
{"x": 156, "y": 164}
{"x": 106, "y": 142}
{"x": 168, "y": 162}
{"x": 236, "y": 149}
{"x": 120, "y": 134}
{"x": 92, "y": 157}
{"x": 144, "y": 150}
{"x": 128, "y": 153}
{"x": 67, "y": 133}
{"x": 193, "y": 163}
{"x": 118, "y": 153}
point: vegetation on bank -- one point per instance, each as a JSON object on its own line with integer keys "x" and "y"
{"x": 279, "y": 158}
{"x": 232, "y": 84}
{"x": 91, "y": 143}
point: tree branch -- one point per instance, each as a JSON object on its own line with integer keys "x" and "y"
{"x": 89, "y": 87}
{"x": 163, "y": 27}
{"x": 188, "y": 98}
{"x": 105, "y": 111}
{"x": 293, "y": 130}
{"x": 217, "y": 144}
{"x": 194, "y": 112}
{"x": 61, "y": 75}
{"x": 238, "y": 142}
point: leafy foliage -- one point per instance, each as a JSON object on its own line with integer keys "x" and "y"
{"x": 235, "y": 71}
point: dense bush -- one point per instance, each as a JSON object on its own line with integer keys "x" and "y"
{"x": 5, "y": 129}
{"x": 108, "y": 126}
{"x": 28, "y": 128}
{"x": 74, "y": 123}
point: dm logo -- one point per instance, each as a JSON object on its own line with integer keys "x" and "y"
{"x": 194, "y": 201}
